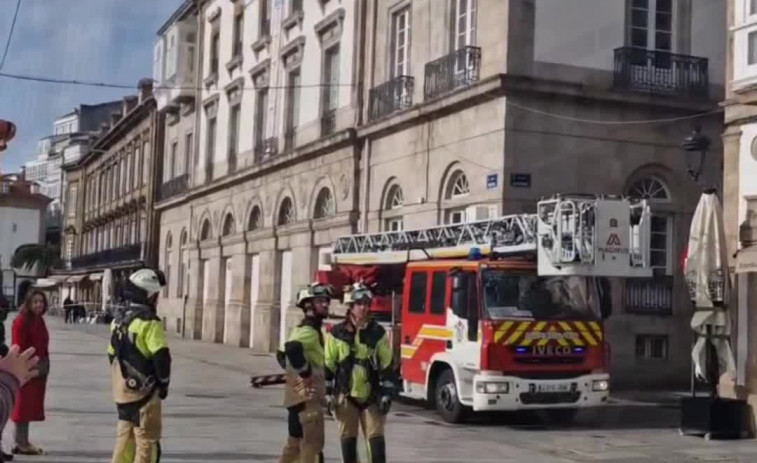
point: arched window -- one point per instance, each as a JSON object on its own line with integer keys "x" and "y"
{"x": 229, "y": 227}
{"x": 392, "y": 215}
{"x": 457, "y": 185}
{"x": 651, "y": 188}
{"x": 205, "y": 232}
{"x": 183, "y": 283}
{"x": 253, "y": 223}
{"x": 656, "y": 191}
{"x": 286, "y": 212}
{"x": 167, "y": 263}
{"x": 324, "y": 204}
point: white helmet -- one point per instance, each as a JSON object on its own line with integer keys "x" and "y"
{"x": 358, "y": 292}
{"x": 314, "y": 290}
{"x": 149, "y": 280}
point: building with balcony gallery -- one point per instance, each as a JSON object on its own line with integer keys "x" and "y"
{"x": 321, "y": 118}
{"x": 109, "y": 221}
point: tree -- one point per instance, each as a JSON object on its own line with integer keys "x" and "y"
{"x": 44, "y": 256}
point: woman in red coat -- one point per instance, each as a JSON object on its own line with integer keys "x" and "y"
{"x": 29, "y": 330}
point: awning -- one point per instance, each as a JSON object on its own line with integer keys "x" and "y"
{"x": 746, "y": 260}
{"x": 76, "y": 278}
{"x": 58, "y": 278}
{"x": 95, "y": 276}
{"x": 45, "y": 283}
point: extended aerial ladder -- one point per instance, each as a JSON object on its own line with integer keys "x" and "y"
{"x": 572, "y": 235}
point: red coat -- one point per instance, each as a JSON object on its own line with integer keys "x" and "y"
{"x": 30, "y": 404}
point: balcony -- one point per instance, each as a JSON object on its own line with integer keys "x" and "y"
{"x": 392, "y": 96}
{"x": 266, "y": 149}
{"x": 661, "y": 73}
{"x": 328, "y": 122}
{"x": 173, "y": 187}
{"x": 647, "y": 296}
{"x": 460, "y": 68}
{"x": 132, "y": 252}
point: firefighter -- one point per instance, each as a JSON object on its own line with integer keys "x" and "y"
{"x": 141, "y": 369}
{"x": 302, "y": 358}
{"x": 359, "y": 377}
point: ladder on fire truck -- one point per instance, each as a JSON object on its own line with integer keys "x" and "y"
{"x": 571, "y": 235}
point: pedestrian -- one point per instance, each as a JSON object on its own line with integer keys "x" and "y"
{"x": 359, "y": 377}
{"x": 29, "y": 330}
{"x": 67, "y": 308}
{"x": 15, "y": 371}
{"x": 4, "y": 309}
{"x": 305, "y": 388}
{"x": 140, "y": 368}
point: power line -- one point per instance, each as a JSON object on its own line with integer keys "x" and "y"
{"x": 10, "y": 34}
{"x": 86, "y": 83}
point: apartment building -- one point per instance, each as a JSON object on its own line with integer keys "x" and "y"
{"x": 110, "y": 224}
{"x": 317, "y": 119}
{"x": 740, "y": 192}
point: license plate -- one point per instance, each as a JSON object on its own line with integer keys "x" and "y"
{"x": 555, "y": 387}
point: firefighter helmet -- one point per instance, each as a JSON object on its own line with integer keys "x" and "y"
{"x": 358, "y": 293}
{"x": 312, "y": 291}
{"x": 143, "y": 284}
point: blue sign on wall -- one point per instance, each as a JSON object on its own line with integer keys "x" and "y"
{"x": 491, "y": 181}
{"x": 520, "y": 180}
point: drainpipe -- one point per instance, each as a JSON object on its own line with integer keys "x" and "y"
{"x": 368, "y": 143}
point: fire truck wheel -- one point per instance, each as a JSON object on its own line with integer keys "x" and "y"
{"x": 447, "y": 401}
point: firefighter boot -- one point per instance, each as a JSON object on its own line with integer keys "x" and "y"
{"x": 377, "y": 447}
{"x": 349, "y": 450}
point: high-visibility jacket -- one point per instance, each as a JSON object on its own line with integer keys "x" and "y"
{"x": 303, "y": 357}
{"x": 359, "y": 361}
{"x": 139, "y": 355}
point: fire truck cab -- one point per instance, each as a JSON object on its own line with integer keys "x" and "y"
{"x": 503, "y": 314}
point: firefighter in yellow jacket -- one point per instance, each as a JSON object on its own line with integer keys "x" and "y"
{"x": 141, "y": 369}
{"x": 302, "y": 358}
{"x": 359, "y": 377}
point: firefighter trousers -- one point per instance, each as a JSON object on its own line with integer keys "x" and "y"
{"x": 140, "y": 442}
{"x": 306, "y": 435}
{"x": 352, "y": 416}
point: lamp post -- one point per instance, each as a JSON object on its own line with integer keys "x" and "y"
{"x": 696, "y": 143}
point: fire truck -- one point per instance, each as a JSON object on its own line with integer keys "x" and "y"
{"x": 505, "y": 313}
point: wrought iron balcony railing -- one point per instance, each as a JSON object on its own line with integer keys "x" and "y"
{"x": 173, "y": 187}
{"x": 328, "y": 122}
{"x": 132, "y": 252}
{"x": 460, "y": 68}
{"x": 661, "y": 73}
{"x": 395, "y": 95}
{"x": 649, "y": 296}
{"x": 266, "y": 149}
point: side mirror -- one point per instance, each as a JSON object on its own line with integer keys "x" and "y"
{"x": 460, "y": 295}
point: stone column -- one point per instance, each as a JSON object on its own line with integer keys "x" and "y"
{"x": 212, "y": 313}
{"x": 193, "y": 321}
{"x": 297, "y": 238}
{"x": 264, "y": 314}
{"x": 237, "y": 313}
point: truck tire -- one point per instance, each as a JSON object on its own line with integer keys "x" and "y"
{"x": 447, "y": 400}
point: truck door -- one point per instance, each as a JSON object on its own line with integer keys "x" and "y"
{"x": 423, "y": 327}
{"x": 463, "y": 320}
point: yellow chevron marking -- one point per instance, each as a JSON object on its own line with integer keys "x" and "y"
{"x": 435, "y": 332}
{"x": 502, "y": 331}
{"x": 595, "y": 326}
{"x": 407, "y": 352}
{"x": 537, "y": 329}
{"x": 586, "y": 334}
{"x": 517, "y": 333}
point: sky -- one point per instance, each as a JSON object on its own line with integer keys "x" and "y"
{"x": 95, "y": 40}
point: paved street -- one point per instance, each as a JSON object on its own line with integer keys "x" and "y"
{"x": 212, "y": 415}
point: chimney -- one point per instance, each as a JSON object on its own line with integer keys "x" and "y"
{"x": 114, "y": 118}
{"x": 130, "y": 102}
{"x": 145, "y": 89}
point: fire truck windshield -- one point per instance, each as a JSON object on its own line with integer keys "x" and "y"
{"x": 509, "y": 295}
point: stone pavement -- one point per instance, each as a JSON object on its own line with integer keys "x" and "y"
{"x": 212, "y": 415}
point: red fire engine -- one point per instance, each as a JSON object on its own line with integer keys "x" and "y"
{"x": 502, "y": 314}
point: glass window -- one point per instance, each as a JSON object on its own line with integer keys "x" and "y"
{"x": 400, "y": 43}
{"x": 752, "y": 48}
{"x": 652, "y": 347}
{"x": 418, "y": 285}
{"x": 438, "y": 292}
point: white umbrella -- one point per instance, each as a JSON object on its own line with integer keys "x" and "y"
{"x": 706, "y": 272}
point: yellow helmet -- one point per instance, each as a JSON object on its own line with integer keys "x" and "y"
{"x": 314, "y": 290}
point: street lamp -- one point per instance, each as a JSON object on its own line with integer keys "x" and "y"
{"x": 695, "y": 143}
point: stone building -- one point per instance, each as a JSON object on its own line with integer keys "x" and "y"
{"x": 109, "y": 220}
{"x": 740, "y": 193}
{"x": 437, "y": 111}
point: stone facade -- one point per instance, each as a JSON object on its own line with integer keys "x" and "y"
{"x": 458, "y": 110}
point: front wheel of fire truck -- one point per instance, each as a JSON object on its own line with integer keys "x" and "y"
{"x": 447, "y": 399}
